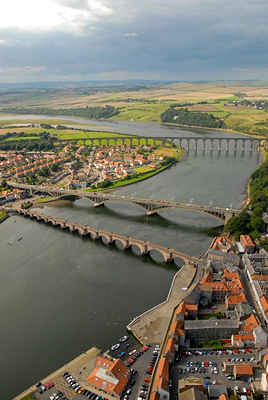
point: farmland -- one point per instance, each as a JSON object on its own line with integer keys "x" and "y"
{"x": 146, "y": 104}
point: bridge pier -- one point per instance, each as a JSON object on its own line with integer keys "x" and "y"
{"x": 151, "y": 212}
{"x": 99, "y": 204}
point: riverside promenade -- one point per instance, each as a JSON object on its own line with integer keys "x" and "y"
{"x": 151, "y": 326}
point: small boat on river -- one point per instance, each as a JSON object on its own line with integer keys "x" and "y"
{"x": 123, "y": 339}
{"x": 115, "y": 347}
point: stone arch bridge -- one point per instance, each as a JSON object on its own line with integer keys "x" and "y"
{"x": 122, "y": 241}
{"x": 152, "y": 206}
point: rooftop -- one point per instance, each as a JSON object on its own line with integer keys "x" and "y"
{"x": 212, "y": 323}
{"x": 245, "y": 369}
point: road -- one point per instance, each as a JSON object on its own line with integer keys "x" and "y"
{"x": 251, "y": 297}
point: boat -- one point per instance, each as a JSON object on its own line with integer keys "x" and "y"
{"x": 123, "y": 339}
{"x": 19, "y": 236}
{"x": 115, "y": 346}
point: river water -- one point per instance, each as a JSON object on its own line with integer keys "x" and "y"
{"x": 60, "y": 295}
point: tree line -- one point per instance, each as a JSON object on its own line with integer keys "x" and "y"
{"x": 87, "y": 112}
{"x": 192, "y": 118}
{"x": 250, "y": 220}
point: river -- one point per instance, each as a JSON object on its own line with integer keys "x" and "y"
{"x": 60, "y": 295}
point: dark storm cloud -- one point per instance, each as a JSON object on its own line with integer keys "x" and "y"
{"x": 182, "y": 39}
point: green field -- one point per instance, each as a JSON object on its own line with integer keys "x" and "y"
{"x": 11, "y": 139}
{"x": 143, "y": 169}
{"x": 146, "y": 104}
{"x": 12, "y": 121}
{"x": 142, "y": 112}
{"x": 85, "y": 135}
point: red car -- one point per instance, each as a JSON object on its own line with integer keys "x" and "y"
{"x": 145, "y": 348}
{"x": 248, "y": 351}
{"x": 149, "y": 369}
{"x": 49, "y": 385}
{"x": 146, "y": 380}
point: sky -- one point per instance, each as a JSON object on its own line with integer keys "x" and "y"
{"x": 56, "y": 40}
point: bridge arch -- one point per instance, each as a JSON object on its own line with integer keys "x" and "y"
{"x": 159, "y": 256}
{"x": 93, "y": 234}
{"x": 138, "y": 249}
{"x": 106, "y": 238}
{"x": 120, "y": 243}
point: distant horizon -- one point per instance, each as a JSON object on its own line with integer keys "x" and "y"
{"x": 6, "y": 85}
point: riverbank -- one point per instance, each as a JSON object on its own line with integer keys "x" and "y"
{"x": 131, "y": 181}
{"x": 226, "y": 130}
{"x": 150, "y": 326}
{"x": 3, "y": 216}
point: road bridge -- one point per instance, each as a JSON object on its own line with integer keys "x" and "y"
{"x": 152, "y": 206}
{"x": 123, "y": 242}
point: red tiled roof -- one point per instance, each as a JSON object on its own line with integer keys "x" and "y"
{"x": 264, "y": 302}
{"x": 241, "y": 298}
{"x": 242, "y": 338}
{"x": 259, "y": 277}
{"x": 117, "y": 369}
{"x": 246, "y": 240}
{"x": 245, "y": 369}
{"x": 250, "y": 323}
{"x": 192, "y": 307}
{"x": 223, "y": 396}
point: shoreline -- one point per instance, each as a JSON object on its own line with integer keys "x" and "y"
{"x": 227, "y": 130}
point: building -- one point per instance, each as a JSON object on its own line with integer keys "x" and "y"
{"x": 257, "y": 272}
{"x": 193, "y": 394}
{"x": 264, "y": 382}
{"x": 160, "y": 389}
{"x": 227, "y": 258}
{"x": 190, "y": 382}
{"x": 246, "y": 340}
{"x": 215, "y": 391}
{"x": 204, "y": 330}
{"x": 243, "y": 372}
{"x": 247, "y": 243}
{"x": 260, "y": 337}
{"x": 109, "y": 377}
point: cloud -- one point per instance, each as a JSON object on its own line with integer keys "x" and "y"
{"x": 49, "y": 15}
{"x": 185, "y": 39}
{"x": 131, "y": 34}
